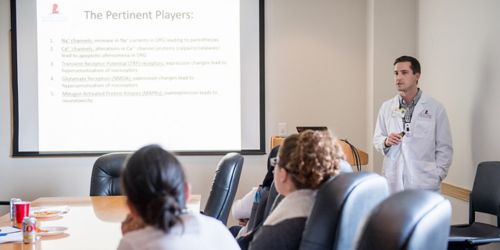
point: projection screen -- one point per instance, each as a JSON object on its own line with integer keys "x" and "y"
{"x": 91, "y": 77}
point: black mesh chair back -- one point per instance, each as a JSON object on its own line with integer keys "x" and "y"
{"x": 224, "y": 187}
{"x": 342, "y": 204}
{"x": 485, "y": 198}
{"x": 485, "y": 195}
{"x": 408, "y": 220}
{"x": 271, "y": 201}
{"x": 105, "y": 179}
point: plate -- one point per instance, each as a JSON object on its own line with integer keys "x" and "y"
{"x": 48, "y": 231}
{"x": 48, "y": 212}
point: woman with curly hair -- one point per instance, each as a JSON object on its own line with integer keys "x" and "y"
{"x": 305, "y": 161}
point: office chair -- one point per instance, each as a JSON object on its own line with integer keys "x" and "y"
{"x": 268, "y": 194}
{"x": 485, "y": 198}
{"x": 408, "y": 220}
{"x": 342, "y": 204}
{"x": 269, "y": 199}
{"x": 224, "y": 186}
{"x": 105, "y": 179}
{"x": 273, "y": 199}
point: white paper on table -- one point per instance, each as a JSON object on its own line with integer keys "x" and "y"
{"x": 10, "y": 237}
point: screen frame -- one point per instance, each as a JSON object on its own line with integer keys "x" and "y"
{"x": 16, "y": 152}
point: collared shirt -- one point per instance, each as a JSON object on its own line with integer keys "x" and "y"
{"x": 409, "y": 107}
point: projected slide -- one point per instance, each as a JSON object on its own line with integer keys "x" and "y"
{"x": 115, "y": 75}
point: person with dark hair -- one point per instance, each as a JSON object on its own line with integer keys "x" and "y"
{"x": 305, "y": 161}
{"x": 155, "y": 185}
{"x": 413, "y": 133}
{"x": 414, "y": 64}
{"x": 242, "y": 208}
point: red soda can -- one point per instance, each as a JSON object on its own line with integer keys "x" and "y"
{"x": 29, "y": 230}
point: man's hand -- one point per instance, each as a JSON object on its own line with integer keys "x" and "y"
{"x": 393, "y": 139}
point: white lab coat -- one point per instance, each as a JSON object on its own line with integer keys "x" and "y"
{"x": 422, "y": 159}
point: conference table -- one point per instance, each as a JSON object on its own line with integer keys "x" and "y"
{"x": 92, "y": 222}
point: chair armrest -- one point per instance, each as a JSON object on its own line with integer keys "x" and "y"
{"x": 482, "y": 241}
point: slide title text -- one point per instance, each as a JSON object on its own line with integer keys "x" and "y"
{"x": 133, "y": 15}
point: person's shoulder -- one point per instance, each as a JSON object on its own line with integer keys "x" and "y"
{"x": 391, "y": 101}
{"x": 283, "y": 235}
{"x": 429, "y": 100}
{"x": 135, "y": 239}
{"x": 203, "y": 221}
{"x": 199, "y": 224}
{"x": 385, "y": 108}
{"x": 213, "y": 233}
{"x": 426, "y": 98}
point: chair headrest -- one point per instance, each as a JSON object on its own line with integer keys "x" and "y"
{"x": 106, "y": 172}
{"x": 412, "y": 219}
{"x": 342, "y": 204}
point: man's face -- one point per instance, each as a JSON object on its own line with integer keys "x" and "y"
{"x": 404, "y": 78}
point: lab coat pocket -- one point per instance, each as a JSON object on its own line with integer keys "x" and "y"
{"x": 425, "y": 175}
{"x": 394, "y": 152}
{"x": 424, "y": 128}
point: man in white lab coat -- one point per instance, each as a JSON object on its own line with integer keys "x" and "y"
{"x": 413, "y": 133}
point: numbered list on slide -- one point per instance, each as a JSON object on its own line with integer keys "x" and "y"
{"x": 111, "y": 65}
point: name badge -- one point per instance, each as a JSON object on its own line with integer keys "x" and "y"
{"x": 399, "y": 112}
{"x": 407, "y": 129}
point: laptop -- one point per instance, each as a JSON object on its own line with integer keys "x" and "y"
{"x": 315, "y": 128}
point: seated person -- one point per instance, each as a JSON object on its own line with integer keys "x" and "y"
{"x": 256, "y": 205}
{"x": 156, "y": 189}
{"x": 305, "y": 161}
{"x": 242, "y": 208}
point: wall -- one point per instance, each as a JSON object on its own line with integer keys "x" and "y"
{"x": 459, "y": 47}
{"x": 315, "y": 75}
{"x": 316, "y": 66}
{"x": 392, "y": 32}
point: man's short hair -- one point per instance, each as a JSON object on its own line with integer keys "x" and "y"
{"x": 414, "y": 64}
